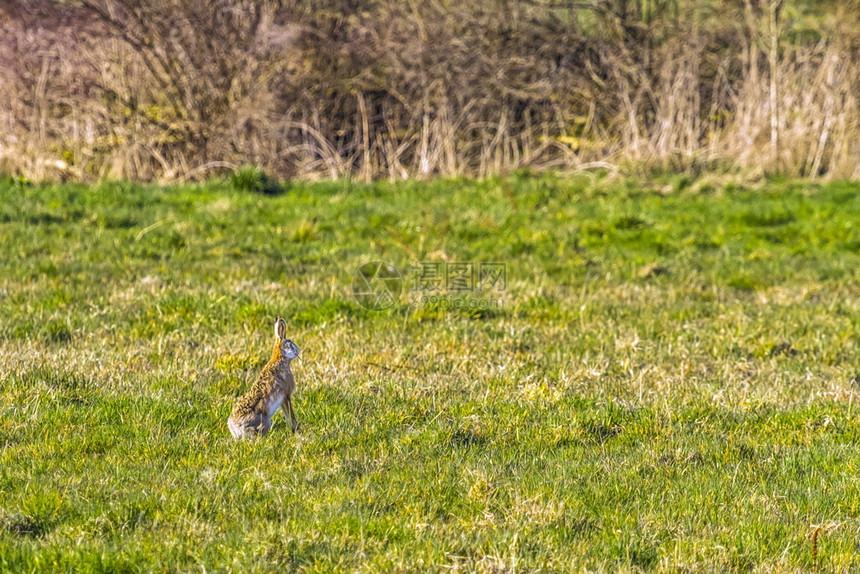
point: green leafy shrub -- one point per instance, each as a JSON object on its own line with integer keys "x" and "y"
{"x": 252, "y": 178}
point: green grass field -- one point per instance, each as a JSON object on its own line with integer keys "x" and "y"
{"x": 667, "y": 384}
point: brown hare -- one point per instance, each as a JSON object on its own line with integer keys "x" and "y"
{"x": 253, "y": 411}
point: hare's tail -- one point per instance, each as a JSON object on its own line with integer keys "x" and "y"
{"x": 235, "y": 429}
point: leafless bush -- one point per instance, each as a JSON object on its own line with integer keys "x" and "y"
{"x": 49, "y": 90}
{"x": 169, "y": 89}
{"x": 806, "y": 95}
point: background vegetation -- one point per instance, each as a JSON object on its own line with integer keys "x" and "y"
{"x": 175, "y": 89}
{"x": 668, "y": 386}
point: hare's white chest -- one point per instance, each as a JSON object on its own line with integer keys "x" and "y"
{"x": 273, "y": 403}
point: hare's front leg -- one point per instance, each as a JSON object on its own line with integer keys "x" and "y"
{"x": 287, "y": 407}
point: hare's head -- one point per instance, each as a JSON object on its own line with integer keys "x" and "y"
{"x": 288, "y": 348}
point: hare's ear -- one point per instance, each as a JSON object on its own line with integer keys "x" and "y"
{"x": 280, "y": 328}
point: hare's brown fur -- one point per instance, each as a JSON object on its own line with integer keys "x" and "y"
{"x": 253, "y": 411}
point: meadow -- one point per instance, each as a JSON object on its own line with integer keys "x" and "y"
{"x": 667, "y": 384}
